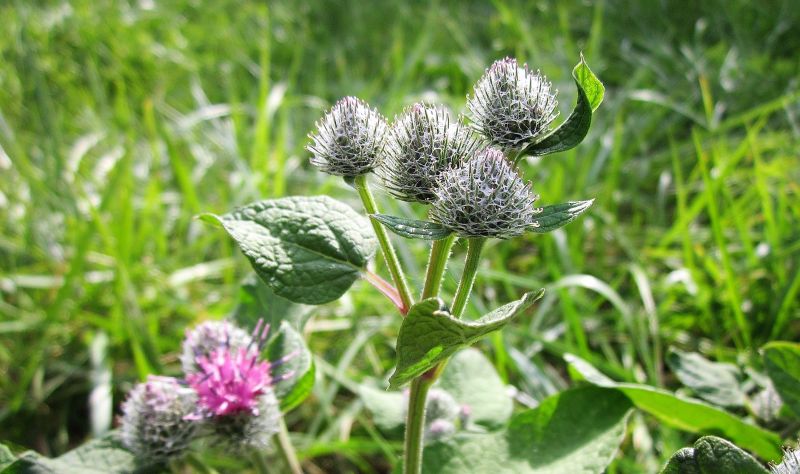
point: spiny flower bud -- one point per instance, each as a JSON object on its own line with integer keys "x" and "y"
{"x": 790, "y": 463}
{"x": 422, "y": 143}
{"x": 155, "y": 426}
{"x": 245, "y": 429}
{"x": 512, "y": 106}
{"x": 349, "y": 139}
{"x": 207, "y": 337}
{"x": 235, "y": 392}
{"x": 485, "y": 197}
{"x": 441, "y": 405}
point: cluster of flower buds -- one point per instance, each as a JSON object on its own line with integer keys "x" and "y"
{"x": 227, "y": 394}
{"x": 425, "y": 156}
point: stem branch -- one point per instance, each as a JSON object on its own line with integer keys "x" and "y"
{"x": 389, "y": 255}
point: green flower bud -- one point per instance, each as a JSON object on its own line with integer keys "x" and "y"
{"x": 423, "y": 142}
{"x": 485, "y": 197}
{"x": 155, "y": 426}
{"x": 349, "y": 139}
{"x": 512, "y": 106}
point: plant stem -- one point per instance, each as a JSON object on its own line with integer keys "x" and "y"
{"x": 287, "y": 449}
{"x": 415, "y": 423}
{"x": 474, "y": 247}
{"x": 387, "y": 289}
{"x": 389, "y": 255}
{"x": 415, "y": 419}
{"x": 259, "y": 462}
{"x": 440, "y": 253}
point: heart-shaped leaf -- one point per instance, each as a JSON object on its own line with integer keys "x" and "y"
{"x": 412, "y": 228}
{"x": 430, "y": 334}
{"x": 713, "y": 455}
{"x": 552, "y": 217}
{"x": 307, "y": 249}
{"x": 573, "y": 130}
{"x": 682, "y": 412}
{"x": 297, "y": 366}
{"x": 782, "y": 361}
{"x": 576, "y": 431}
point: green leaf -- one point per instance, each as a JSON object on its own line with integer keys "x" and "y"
{"x": 558, "y": 215}
{"x": 682, "y": 462}
{"x": 412, "y": 228}
{"x": 6, "y": 456}
{"x": 782, "y": 361}
{"x": 104, "y": 455}
{"x": 387, "y": 408}
{"x": 713, "y": 455}
{"x": 715, "y": 382}
{"x": 687, "y": 414}
{"x": 576, "y": 431}
{"x": 469, "y": 377}
{"x": 297, "y": 367}
{"x": 473, "y": 381}
{"x": 307, "y": 249}
{"x": 573, "y": 130}
{"x": 718, "y": 456}
{"x": 258, "y": 301}
{"x": 430, "y": 334}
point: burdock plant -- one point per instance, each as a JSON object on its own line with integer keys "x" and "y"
{"x": 312, "y": 249}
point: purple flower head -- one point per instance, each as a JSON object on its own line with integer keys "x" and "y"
{"x": 230, "y": 381}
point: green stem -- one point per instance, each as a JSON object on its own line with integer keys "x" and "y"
{"x": 440, "y": 253}
{"x": 286, "y": 449}
{"x": 474, "y": 247}
{"x": 259, "y": 462}
{"x": 389, "y": 255}
{"x": 415, "y": 419}
{"x": 415, "y": 423}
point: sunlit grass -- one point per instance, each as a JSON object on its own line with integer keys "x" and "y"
{"x": 119, "y": 121}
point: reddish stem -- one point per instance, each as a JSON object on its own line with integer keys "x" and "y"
{"x": 387, "y": 289}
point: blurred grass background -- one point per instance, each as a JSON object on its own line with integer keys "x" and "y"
{"x": 121, "y": 120}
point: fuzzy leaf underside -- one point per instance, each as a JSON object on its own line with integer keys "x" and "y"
{"x": 558, "y": 215}
{"x": 713, "y": 455}
{"x": 412, "y": 228}
{"x": 430, "y": 334}
{"x": 104, "y": 455}
{"x": 298, "y": 367}
{"x": 684, "y": 413}
{"x": 782, "y": 361}
{"x": 306, "y": 249}
{"x": 576, "y": 431}
{"x": 469, "y": 377}
{"x": 574, "y": 129}
{"x": 714, "y": 382}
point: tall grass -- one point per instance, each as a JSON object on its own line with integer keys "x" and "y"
{"x": 121, "y": 120}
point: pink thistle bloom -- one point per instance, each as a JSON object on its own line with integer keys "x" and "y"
{"x": 230, "y": 381}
